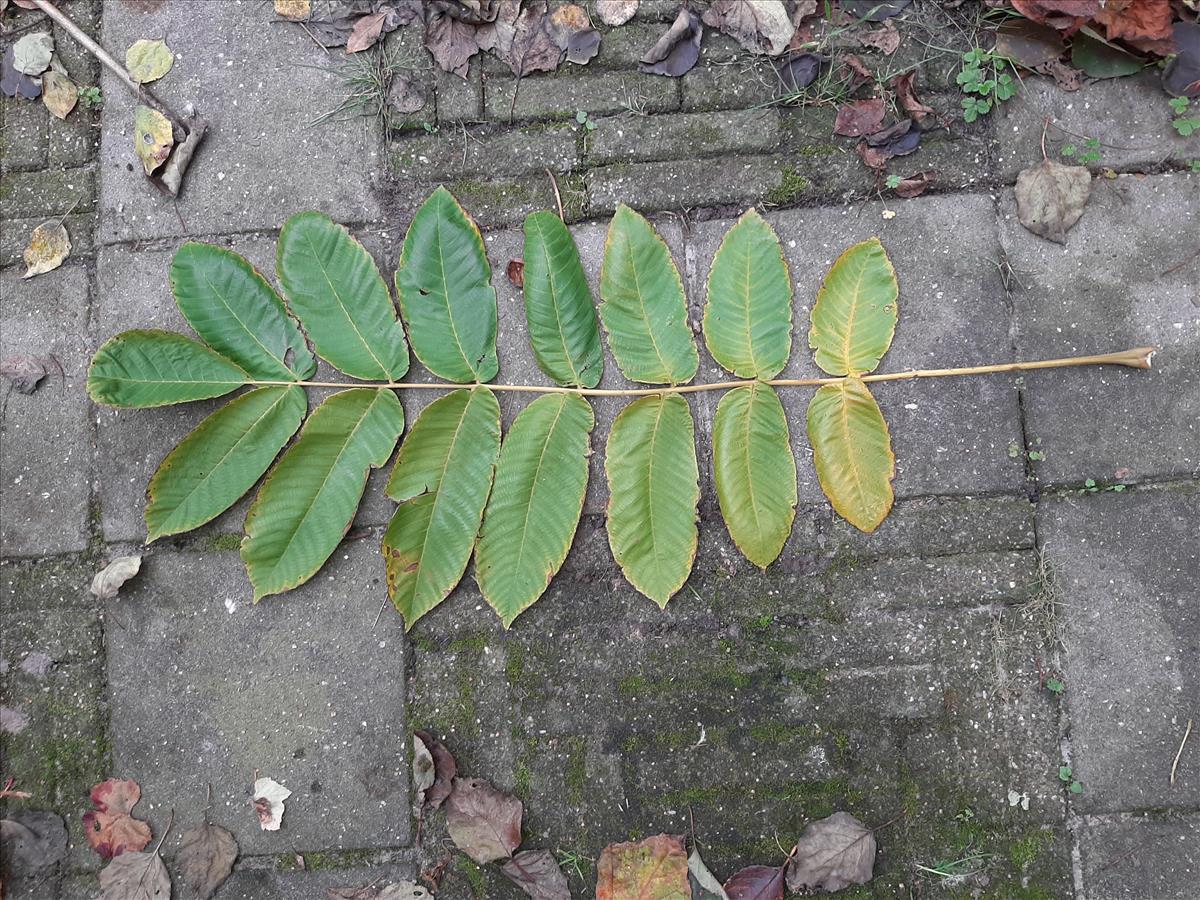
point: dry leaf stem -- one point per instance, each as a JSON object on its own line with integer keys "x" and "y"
{"x": 1178, "y": 753}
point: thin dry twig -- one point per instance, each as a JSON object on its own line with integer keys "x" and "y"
{"x": 1178, "y": 753}
{"x": 557, "y": 196}
{"x": 1179, "y": 265}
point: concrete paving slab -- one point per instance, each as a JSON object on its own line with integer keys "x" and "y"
{"x": 1135, "y": 857}
{"x": 47, "y": 435}
{"x": 1128, "y": 570}
{"x": 255, "y": 82}
{"x": 1110, "y": 287}
{"x": 305, "y": 689}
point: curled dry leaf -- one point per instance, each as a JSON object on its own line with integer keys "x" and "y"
{"x": 515, "y": 270}
{"x": 108, "y": 581}
{"x": 14, "y": 83}
{"x": 652, "y": 867}
{"x": 859, "y": 118}
{"x": 532, "y": 48}
{"x": 293, "y": 10}
{"x": 25, "y": 372}
{"x": 914, "y": 185}
{"x": 677, "y": 50}
{"x": 798, "y": 70}
{"x": 704, "y": 884}
{"x": 1144, "y": 24}
{"x": 616, "y": 12}
{"x": 756, "y": 883}
{"x": 153, "y": 137}
{"x": 899, "y": 139}
{"x": 832, "y": 854}
{"x": 148, "y": 60}
{"x": 205, "y": 858}
{"x": 269, "y": 795}
{"x": 906, "y": 93}
{"x": 858, "y": 70}
{"x": 1066, "y": 77}
{"x": 32, "y": 53}
{"x": 444, "y": 770}
{"x": 885, "y": 39}
{"x": 1051, "y": 198}
{"x": 572, "y": 32}
{"x": 49, "y": 245}
{"x": 483, "y": 822}
{"x": 1027, "y": 43}
{"x": 761, "y": 26}
{"x": 59, "y": 93}
{"x": 135, "y": 876}
{"x": 422, "y": 770}
{"x": 110, "y": 827}
{"x": 537, "y": 873}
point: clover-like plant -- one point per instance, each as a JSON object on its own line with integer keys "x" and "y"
{"x": 461, "y": 488}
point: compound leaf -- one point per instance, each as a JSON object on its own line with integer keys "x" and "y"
{"x": 149, "y": 367}
{"x": 535, "y": 504}
{"x": 748, "y": 316}
{"x": 852, "y": 452}
{"x": 307, "y": 503}
{"x": 237, "y": 313}
{"x": 333, "y": 286}
{"x": 855, "y": 314}
{"x": 643, "y": 306}
{"x": 221, "y": 459}
{"x": 442, "y": 478}
{"x": 653, "y": 486}
{"x": 558, "y": 304}
{"x": 755, "y": 471}
{"x": 445, "y": 290}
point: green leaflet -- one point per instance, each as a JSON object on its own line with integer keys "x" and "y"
{"x": 536, "y": 502}
{"x": 748, "y": 316}
{"x": 852, "y": 452}
{"x": 643, "y": 307}
{"x": 307, "y": 503}
{"x": 442, "y": 478}
{"x": 446, "y": 295}
{"x": 221, "y": 459}
{"x": 855, "y": 314}
{"x": 755, "y": 471}
{"x": 653, "y": 486}
{"x": 558, "y": 304}
{"x": 237, "y": 313}
{"x": 148, "y": 367}
{"x": 332, "y": 285}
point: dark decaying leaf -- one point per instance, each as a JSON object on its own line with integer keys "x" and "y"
{"x": 527, "y": 45}
{"x": 906, "y": 93}
{"x": 537, "y": 873}
{"x": 885, "y": 39}
{"x": 873, "y": 158}
{"x": 798, "y": 70}
{"x": 24, "y": 372}
{"x": 205, "y": 858}
{"x": 859, "y": 72}
{"x": 444, "y": 770}
{"x": 874, "y": 10}
{"x": 914, "y": 185}
{"x": 515, "y": 270}
{"x": 678, "y": 49}
{"x": 451, "y": 41}
{"x": 483, "y": 822}
{"x": 573, "y": 34}
{"x": 761, "y": 26}
{"x": 1181, "y": 77}
{"x": 616, "y": 12}
{"x": 832, "y": 854}
{"x": 756, "y": 883}
{"x": 1051, "y": 198}
{"x": 654, "y": 867}
{"x": 30, "y": 843}
{"x": 899, "y": 139}
{"x": 859, "y": 118}
{"x": 473, "y": 12}
{"x": 17, "y": 84}
{"x": 1027, "y": 43}
{"x": 704, "y": 884}
{"x": 1100, "y": 59}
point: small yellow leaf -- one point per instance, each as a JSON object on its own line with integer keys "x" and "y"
{"x": 153, "y": 137}
{"x": 59, "y": 93}
{"x": 48, "y": 246}
{"x": 295, "y": 10}
{"x": 148, "y": 60}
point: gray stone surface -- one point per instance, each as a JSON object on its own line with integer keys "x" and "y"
{"x": 244, "y": 177}
{"x": 46, "y": 488}
{"x": 1107, "y": 289}
{"x": 462, "y": 152}
{"x": 49, "y": 192}
{"x": 305, "y": 689}
{"x": 1128, "y": 569}
{"x": 682, "y": 136}
{"x": 1128, "y": 116}
{"x": 1136, "y": 857}
{"x": 561, "y": 94}
{"x": 685, "y": 183}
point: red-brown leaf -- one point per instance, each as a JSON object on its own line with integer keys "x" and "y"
{"x": 483, "y": 822}
{"x": 111, "y": 830}
{"x": 906, "y": 93}
{"x": 366, "y": 32}
{"x": 516, "y": 272}
{"x": 859, "y": 118}
{"x": 1065, "y": 15}
{"x": 1146, "y": 24}
{"x": 444, "y": 769}
{"x": 915, "y": 185}
{"x": 655, "y": 868}
{"x": 756, "y": 883}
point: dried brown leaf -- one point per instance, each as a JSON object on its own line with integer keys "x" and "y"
{"x": 761, "y": 26}
{"x": 293, "y": 10}
{"x": 483, "y": 822}
{"x": 205, "y": 858}
{"x": 49, "y": 245}
{"x": 1066, "y": 77}
{"x": 515, "y": 270}
{"x": 885, "y": 39}
{"x": 572, "y": 32}
{"x": 859, "y": 118}
{"x": 135, "y": 876}
{"x": 24, "y": 372}
{"x": 914, "y": 185}
{"x": 365, "y": 33}
{"x": 451, "y": 41}
{"x": 444, "y": 768}
{"x": 616, "y": 12}
{"x": 59, "y": 93}
{"x": 1063, "y": 15}
{"x": 1146, "y": 24}
{"x": 1028, "y": 43}
{"x": 655, "y": 868}
{"x": 537, "y": 873}
{"x": 832, "y": 854}
{"x": 906, "y": 93}
{"x": 105, "y": 585}
{"x": 1051, "y": 198}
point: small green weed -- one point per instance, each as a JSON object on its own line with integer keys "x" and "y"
{"x": 1089, "y": 154}
{"x": 1090, "y": 487}
{"x": 984, "y": 82}
{"x": 90, "y": 97}
{"x": 1055, "y": 686}
{"x": 1183, "y": 123}
{"x": 583, "y": 119}
{"x": 1066, "y": 776}
{"x": 963, "y": 867}
{"x": 1037, "y": 455}
{"x": 574, "y": 863}
{"x": 1193, "y": 165}
{"x": 892, "y": 181}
